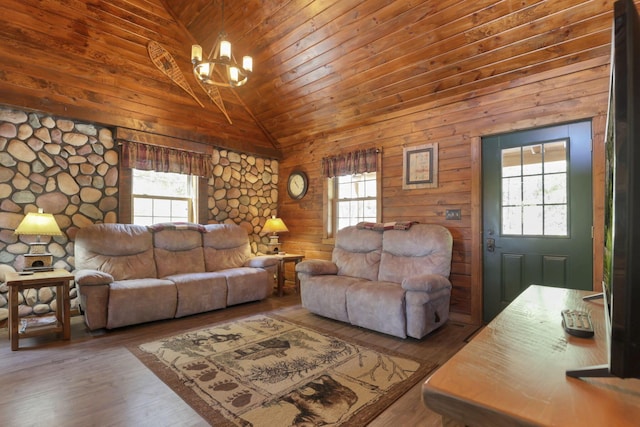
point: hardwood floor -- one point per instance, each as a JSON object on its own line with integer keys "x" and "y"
{"x": 93, "y": 380}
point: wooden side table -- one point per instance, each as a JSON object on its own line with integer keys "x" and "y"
{"x": 17, "y": 282}
{"x": 284, "y": 258}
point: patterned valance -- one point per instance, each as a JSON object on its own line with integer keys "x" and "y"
{"x": 352, "y": 163}
{"x": 163, "y": 159}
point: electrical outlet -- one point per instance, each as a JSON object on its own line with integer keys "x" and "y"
{"x": 453, "y": 214}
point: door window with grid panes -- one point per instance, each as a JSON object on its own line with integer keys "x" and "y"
{"x": 163, "y": 197}
{"x": 534, "y": 190}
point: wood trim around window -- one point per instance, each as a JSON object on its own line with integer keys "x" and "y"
{"x": 202, "y": 201}
{"x": 125, "y": 186}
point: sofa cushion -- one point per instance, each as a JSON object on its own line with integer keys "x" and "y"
{"x": 225, "y": 246}
{"x": 246, "y": 284}
{"x": 379, "y": 306}
{"x": 141, "y": 300}
{"x": 178, "y": 251}
{"x": 326, "y": 295}
{"x": 422, "y": 249}
{"x": 178, "y": 262}
{"x": 199, "y": 292}
{"x": 124, "y": 251}
{"x": 357, "y": 252}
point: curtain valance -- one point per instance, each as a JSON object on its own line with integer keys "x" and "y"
{"x": 352, "y": 163}
{"x": 163, "y": 159}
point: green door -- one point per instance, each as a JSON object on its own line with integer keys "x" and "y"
{"x": 537, "y": 212}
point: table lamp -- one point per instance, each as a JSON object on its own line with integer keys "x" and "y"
{"x": 38, "y": 224}
{"x": 274, "y": 226}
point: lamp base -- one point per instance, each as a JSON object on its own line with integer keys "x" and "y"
{"x": 273, "y": 245}
{"x": 37, "y": 248}
{"x": 38, "y": 262}
{"x": 273, "y": 248}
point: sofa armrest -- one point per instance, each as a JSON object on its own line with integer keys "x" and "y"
{"x": 93, "y": 291}
{"x": 426, "y": 283}
{"x": 316, "y": 267}
{"x": 92, "y": 277}
{"x": 262, "y": 261}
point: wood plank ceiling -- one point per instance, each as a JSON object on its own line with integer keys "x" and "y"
{"x": 88, "y": 60}
{"x": 327, "y": 65}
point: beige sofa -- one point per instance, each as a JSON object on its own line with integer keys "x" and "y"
{"x": 394, "y": 281}
{"x": 128, "y": 274}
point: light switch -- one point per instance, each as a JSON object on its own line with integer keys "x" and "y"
{"x": 453, "y": 214}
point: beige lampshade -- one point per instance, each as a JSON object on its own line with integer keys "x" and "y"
{"x": 39, "y": 224}
{"x": 274, "y": 225}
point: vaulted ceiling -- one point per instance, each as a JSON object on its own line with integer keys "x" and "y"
{"x": 322, "y": 65}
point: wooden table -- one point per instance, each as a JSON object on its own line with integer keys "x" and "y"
{"x": 513, "y": 372}
{"x": 17, "y": 282}
{"x": 284, "y": 258}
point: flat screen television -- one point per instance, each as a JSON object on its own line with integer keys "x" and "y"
{"x": 621, "y": 272}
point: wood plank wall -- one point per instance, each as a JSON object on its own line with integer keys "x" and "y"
{"x": 572, "y": 93}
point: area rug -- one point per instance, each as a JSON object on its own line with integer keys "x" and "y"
{"x": 265, "y": 370}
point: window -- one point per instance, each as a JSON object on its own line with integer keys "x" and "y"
{"x": 350, "y": 200}
{"x": 353, "y": 190}
{"x": 163, "y": 197}
{"x": 534, "y": 190}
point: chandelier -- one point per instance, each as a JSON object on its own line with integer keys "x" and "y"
{"x": 220, "y": 68}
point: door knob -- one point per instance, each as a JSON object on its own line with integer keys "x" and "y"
{"x": 491, "y": 245}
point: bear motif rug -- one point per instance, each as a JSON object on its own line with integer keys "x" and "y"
{"x": 264, "y": 370}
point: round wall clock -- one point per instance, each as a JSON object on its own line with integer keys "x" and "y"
{"x": 297, "y": 185}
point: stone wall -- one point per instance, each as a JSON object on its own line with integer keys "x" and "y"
{"x": 244, "y": 191}
{"x": 70, "y": 169}
{"x": 67, "y": 169}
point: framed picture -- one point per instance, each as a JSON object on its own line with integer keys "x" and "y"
{"x": 420, "y": 166}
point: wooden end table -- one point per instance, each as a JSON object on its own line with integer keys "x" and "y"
{"x": 284, "y": 258}
{"x": 17, "y": 282}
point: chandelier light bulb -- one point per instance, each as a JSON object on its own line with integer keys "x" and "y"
{"x": 196, "y": 52}
{"x": 225, "y": 50}
{"x": 247, "y": 63}
{"x": 203, "y": 70}
{"x": 233, "y": 74}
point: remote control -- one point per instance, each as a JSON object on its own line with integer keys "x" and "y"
{"x": 577, "y": 323}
